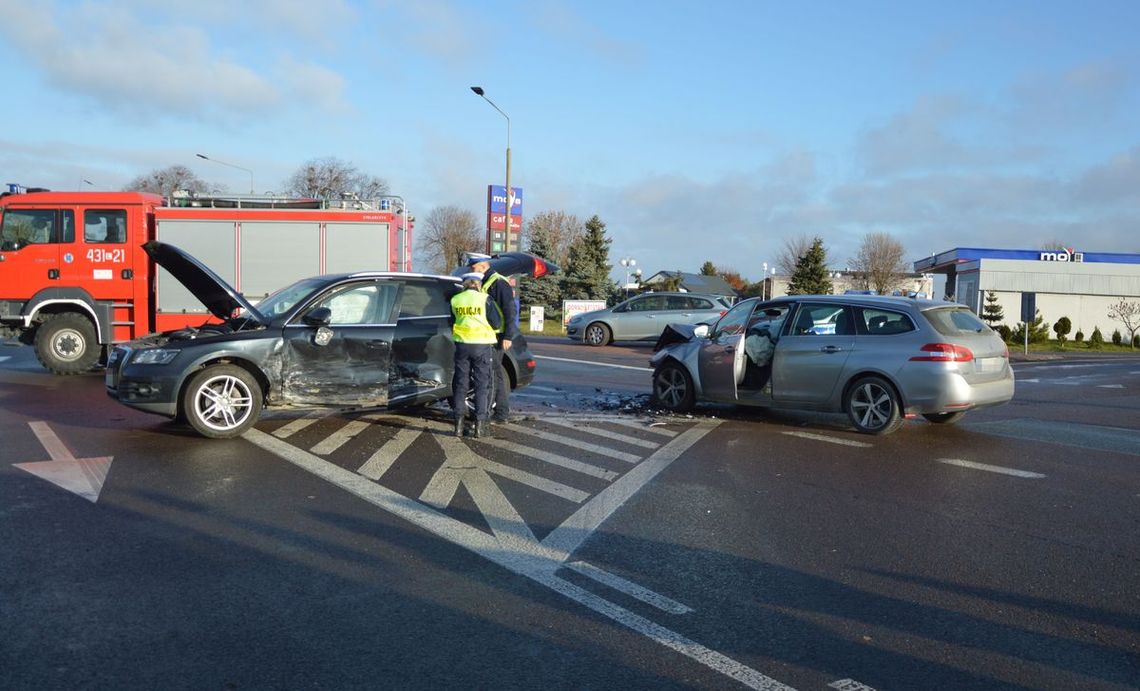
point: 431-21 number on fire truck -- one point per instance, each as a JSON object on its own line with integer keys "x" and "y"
{"x": 99, "y": 256}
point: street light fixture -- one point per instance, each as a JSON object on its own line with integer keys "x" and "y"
{"x": 510, "y": 200}
{"x": 204, "y": 157}
{"x": 629, "y": 263}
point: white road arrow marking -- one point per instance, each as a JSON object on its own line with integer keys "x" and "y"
{"x": 82, "y": 476}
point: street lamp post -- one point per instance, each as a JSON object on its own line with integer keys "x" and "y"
{"x": 204, "y": 157}
{"x": 510, "y": 200}
{"x": 629, "y": 263}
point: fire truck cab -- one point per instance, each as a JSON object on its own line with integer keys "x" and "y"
{"x": 74, "y": 278}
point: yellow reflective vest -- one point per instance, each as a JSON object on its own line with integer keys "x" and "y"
{"x": 471, "y": 325}
{"x": 486, "y": 288}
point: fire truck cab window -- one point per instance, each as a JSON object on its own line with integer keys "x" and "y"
{"x": 24, "y": 227}
{"x": 103, "y": 226}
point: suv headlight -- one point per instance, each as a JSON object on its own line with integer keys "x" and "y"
{"x": 154, "y": 356}
{"x": 575, "y": 319}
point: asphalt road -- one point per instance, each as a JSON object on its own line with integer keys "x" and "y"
{"x": 589, "y": 545}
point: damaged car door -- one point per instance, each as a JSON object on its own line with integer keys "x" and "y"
{"x": 423, "y": 354}
{"x": 338, "y": 350}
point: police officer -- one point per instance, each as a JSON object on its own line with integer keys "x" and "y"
{"x": 503, "y": 295}
{"x": 476, "y": 320}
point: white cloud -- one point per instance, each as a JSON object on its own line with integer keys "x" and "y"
{"x": 138, "y": 66}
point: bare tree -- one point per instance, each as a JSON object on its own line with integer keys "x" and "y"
{"x": 559, "y": 229}
{"x": 1053, "y": 244}
{"x": 332, "y": 178}
{"x": 789, "y": 255}
{"x": 447, "y": 233}
{"x": 1127, "y": 313}
{"x": 879, "y": 265}
{"x": 167, "y": 180}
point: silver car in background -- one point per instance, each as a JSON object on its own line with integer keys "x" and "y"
{"x": 878, "y": 359}
{"x": 644, "y": 317}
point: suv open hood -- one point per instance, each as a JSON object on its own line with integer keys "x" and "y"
{"x": 217, "y": 295}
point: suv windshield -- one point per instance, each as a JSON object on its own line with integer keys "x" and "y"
{"x": 281, "y": 301}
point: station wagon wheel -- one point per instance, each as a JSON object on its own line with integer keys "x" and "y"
{"x": 221, "y": 401}
{"x": 873, "y": 406}
{"x": 945, "y": 418}
{"x": 597, "y": 334}
{"x": 673, "y": 388}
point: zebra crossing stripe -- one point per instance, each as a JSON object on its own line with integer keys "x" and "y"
{"x": 552, "y": 458}
{"x": 294, "y": 427}
{"x": 338, "y": 438}
{"x": 597, "y": 431}
{"x": 578, "y": 444}
{"x": 379, "y": 462}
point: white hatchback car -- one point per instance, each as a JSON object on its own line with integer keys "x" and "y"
{"x": 877, "y": 359}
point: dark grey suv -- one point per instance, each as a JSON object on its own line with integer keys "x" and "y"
{"x": 364, "y": 340}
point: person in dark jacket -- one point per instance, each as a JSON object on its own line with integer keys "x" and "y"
{"x": 499, "y": 289}
{"x": 476, "y": 320}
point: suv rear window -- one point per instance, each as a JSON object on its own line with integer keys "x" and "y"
{"x": 950, "y": 321}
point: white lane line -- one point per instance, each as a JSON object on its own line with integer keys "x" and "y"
{"x": 536, "y": 563}
{"x": 294, "y": 427}
{"x": 830, "y": 440}
{"x": 379, "y": 462}
{"x": 574, "y": 530}
{"x": 591, "y": 362}
{"x": 5, "y": 357}
{"x": 634, "y": 590}
{"x": 578, "y": 444}
{"x": 338, "y": 438}
{"x": 599, "y": 432}
{"x": 849, "y": 685}
{"x": 1110, "y": 386}
{"x": 990, "y": 468}
{"x": 551, "y": 458}
{"x": 463, "y": 466}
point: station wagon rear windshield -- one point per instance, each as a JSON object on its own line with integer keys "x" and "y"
{"x": 951, "y": 321}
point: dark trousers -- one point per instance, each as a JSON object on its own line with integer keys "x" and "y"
{"x": 472, "y": 370}
{"x": 502, "y": 384}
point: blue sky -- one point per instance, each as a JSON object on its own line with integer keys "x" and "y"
{"x": 696, "y": 131}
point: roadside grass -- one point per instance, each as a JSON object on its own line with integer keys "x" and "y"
{"x": 1072, "y": 347}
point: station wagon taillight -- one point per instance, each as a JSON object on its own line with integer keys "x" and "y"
{"x": 944, "y": 352}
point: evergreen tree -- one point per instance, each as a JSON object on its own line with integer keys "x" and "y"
{"x": 708, "y": 269}
{"x": 588, "y": 266}
{"x": 810, "y": 276}
{"x": 546, "y": 291}
{"x": 992, "y": 312}
{"x": 1038, "y": 330}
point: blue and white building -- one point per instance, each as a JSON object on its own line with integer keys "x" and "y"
{"x": 1065, "y": 282}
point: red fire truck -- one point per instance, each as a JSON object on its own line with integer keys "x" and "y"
{"x": 74, "y": 279}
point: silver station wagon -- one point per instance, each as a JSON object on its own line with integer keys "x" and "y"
{"x": 878, "y": 359}
{"x": 644, "y": 317}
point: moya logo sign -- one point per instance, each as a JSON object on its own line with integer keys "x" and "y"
{"x": 1065, "y": 254}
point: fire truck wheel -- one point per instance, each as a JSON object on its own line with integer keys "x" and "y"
{"x": 65, "y": 344}
{"x": 221, "y": 401}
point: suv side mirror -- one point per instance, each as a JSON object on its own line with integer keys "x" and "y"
{"x": 318, "y": 316}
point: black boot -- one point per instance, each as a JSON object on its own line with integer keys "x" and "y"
{"x": 459, "y": 426}
{"x": 482, "y": 430}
